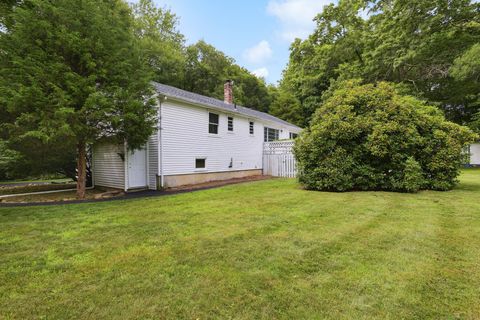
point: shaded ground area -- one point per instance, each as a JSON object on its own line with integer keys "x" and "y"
{"x": 18, "y": 189}
{"x": 260, "y": 250}
{"x": 51, "y": 197}
{"x": 106, "y": 194}
{"x": 21, "y": 183}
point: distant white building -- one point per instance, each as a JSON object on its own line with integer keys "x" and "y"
{"x": 474, "y": 151}
{"x": 200, "y": 139}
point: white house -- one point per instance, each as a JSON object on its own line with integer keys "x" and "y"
{"x": 198, "y": 139}
{"x": 474, "y": 151}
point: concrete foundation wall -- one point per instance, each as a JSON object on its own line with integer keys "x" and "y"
{"x": 186, "y": 179}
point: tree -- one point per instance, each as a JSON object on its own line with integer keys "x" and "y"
{"x": 161, "y": 41}
{"x": 8, "y": 159}
{"x": 466, "y": 69}
{"x": 417, "y": 43}
{"x": 73, "y": 72}
{"x": 336, "y": 44}
{"x": 467, "y": 66}
{"x": 287, "y": 107}
{"x": 369, "y": 137}
{"x": 6, "y": 8}
{"x": 410, "y": 43}
{"x": 207, "y": 69}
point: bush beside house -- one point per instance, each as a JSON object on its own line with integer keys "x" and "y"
{"x": 370, "y": 137}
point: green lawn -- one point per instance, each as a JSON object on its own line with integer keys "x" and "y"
{"x": 265, "y": 249}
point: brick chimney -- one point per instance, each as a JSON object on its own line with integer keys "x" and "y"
{"x": 228, "y": 92}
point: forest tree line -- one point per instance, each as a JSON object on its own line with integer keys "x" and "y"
{"x": 198, "y": 67}
{"x": 430, "y": 49}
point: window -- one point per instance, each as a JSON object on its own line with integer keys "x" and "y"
{"x": 270, "y": 134}
{"x": 200, "y": 163}
{"x": 293, "y": 135}
{"x": 251, "y": 127}
{"x": 213, "y": 123}
{"x": 230, "y": 123}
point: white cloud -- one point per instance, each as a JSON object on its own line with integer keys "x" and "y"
{"x": 296, "y": 16}
{"x": 258, "y": 53}
{"x": 261, "y": 72}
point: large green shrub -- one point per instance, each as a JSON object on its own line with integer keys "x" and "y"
{"x": 370, "y": 137}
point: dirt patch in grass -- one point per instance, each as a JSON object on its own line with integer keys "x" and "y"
{"x": 105, "y": 193}
{"x": 5, "y": 190}
{"x": 58, "y": 196}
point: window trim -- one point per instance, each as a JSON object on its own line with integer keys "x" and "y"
{"x": 266, "y": 135}
{"x": 210, "y": 123}
{"x": 204, "y": 163}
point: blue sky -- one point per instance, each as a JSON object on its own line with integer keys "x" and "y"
{"x": 256, "y": 33}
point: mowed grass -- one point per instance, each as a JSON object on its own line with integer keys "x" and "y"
{"x": 264, "y": 249}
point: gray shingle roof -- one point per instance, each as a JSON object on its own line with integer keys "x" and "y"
{"x": 187, "y": 96}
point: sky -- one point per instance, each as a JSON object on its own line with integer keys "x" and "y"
{"x": 256, "y": 33}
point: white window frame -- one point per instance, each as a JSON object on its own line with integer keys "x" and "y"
{"x": 266, "y": 135}
{"x": 213, "y": 124}
{"x": 230, "y": 124}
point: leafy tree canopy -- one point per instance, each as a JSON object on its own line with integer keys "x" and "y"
{"x": 207, "y": 69}
{"x": 77, "y": 71}
{"x": 424, "y": 45}
{"x": 286, "y": 105}
{"x": 73, "y": 71}
{"x": 163, "y": 44}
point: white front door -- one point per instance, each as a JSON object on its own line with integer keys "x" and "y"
{"x": 137, "y": 168}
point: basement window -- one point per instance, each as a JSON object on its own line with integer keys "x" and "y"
{"x": 200, "y": 163}
{"x": 213, "y": 123}
{"x": 230, "y": 123}
{"x": 251, "y": 129}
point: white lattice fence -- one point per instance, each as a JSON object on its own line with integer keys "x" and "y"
{"x": 278, "y": 159}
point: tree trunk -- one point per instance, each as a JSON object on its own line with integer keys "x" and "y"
{"x": 81, "y": 169}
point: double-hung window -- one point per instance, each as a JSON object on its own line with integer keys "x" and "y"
{"x": 270, "y": 134}
{"x": 251, "y": 127}
{"x": 213, "y": 123}
{"x": 230, "y": 123}
{"x": 293, "y": 135}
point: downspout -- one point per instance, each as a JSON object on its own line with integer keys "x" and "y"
{"x": 125, "y": 163}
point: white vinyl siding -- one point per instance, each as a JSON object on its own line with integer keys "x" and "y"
{"x": 152, "y": 158}
{"x": 475, "y": 154}
{"x": 185, "y": 139}
{"x": 108, "y": 166}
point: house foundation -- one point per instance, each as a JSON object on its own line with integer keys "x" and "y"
{"x": 172, "y": 181}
